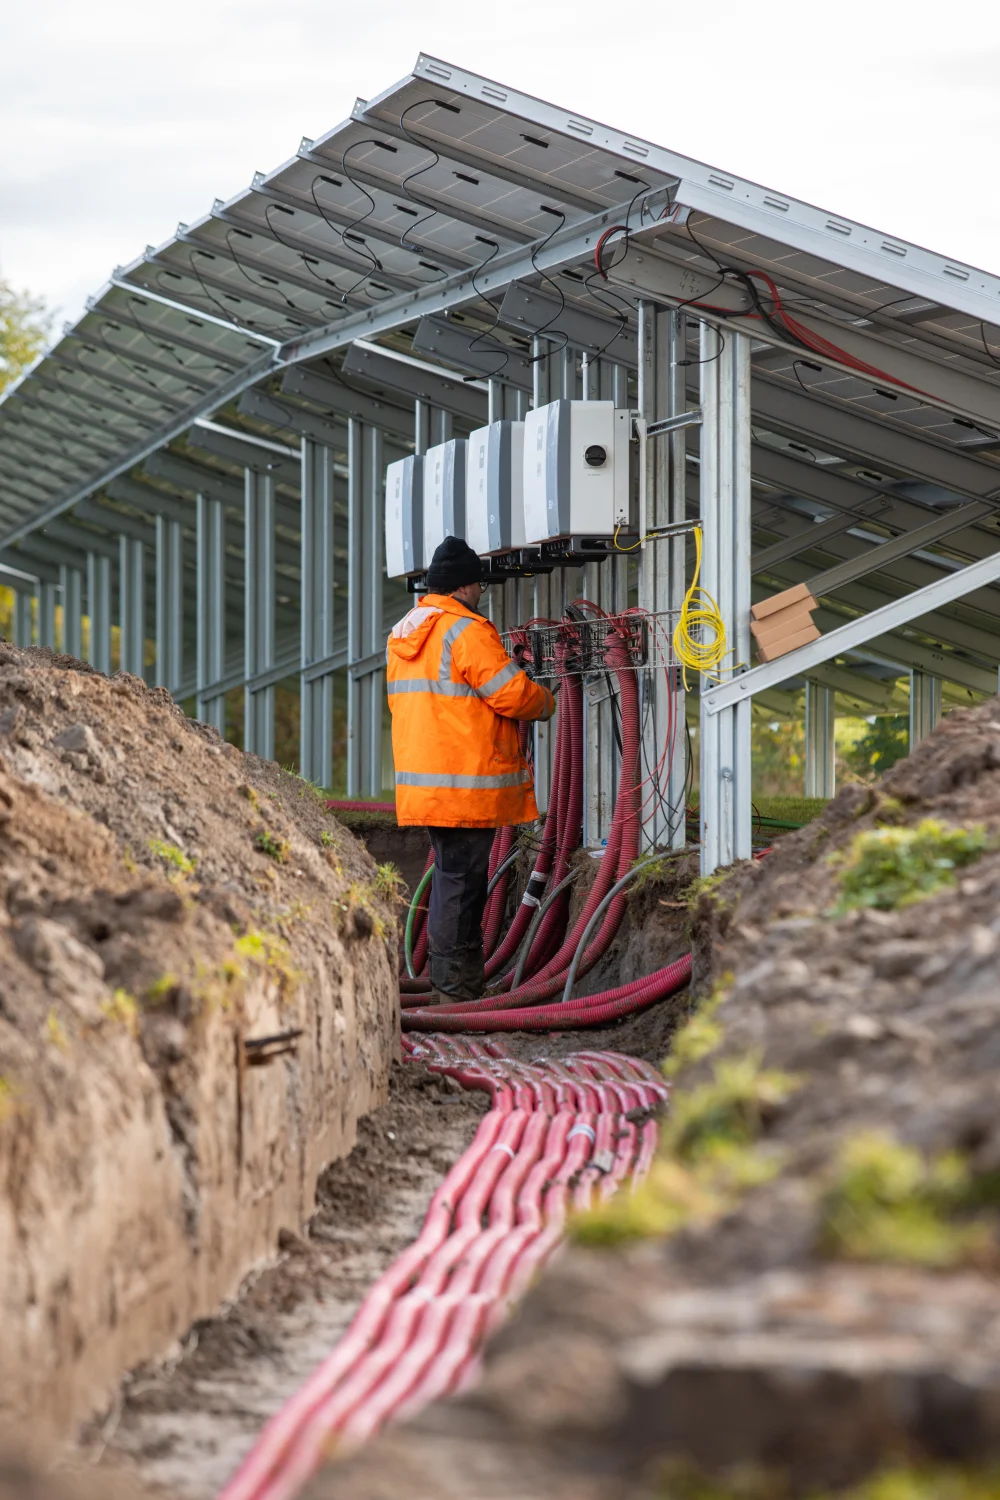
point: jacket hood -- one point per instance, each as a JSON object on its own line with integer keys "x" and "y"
{"x": 406, "y": 639}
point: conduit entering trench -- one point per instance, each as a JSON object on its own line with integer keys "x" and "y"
{"x": 559, "y": 1133}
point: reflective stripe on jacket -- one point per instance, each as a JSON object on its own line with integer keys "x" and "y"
{"x": 455, "y": 696}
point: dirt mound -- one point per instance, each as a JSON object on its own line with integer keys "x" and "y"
{"x": 197, "y": 1003}
{"x": 807, "y": 1289}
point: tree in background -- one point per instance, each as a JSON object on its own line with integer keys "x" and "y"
{"x": 779, "y": 757}
{"x": 25, "y": 323}
{"x": 884, "y": 740}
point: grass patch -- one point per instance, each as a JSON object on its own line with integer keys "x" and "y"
{"x": 678, "y": 1479}
{"x": 273, "y": 846}
{"x": 162, "y": 989}
{"x": 122, "y": 1009}
{"x": 704, "y": 885}
{"x": 892, "y": 867}
{"x": 700, "y": 1035}
{"x": 56, "y": 1031}
{"x": 887, "y": 1202}
{"x": 389, "y": 883}
{"x": 710, "y": 1156}
{"x": 783, "y": 811}
{"x": 654, "y": 870}
{"x": 171, "y": 855}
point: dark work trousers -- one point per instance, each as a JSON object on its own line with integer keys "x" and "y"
{"x": 455, "y": 913}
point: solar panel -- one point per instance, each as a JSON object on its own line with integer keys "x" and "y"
{"x": 429, "y": 184}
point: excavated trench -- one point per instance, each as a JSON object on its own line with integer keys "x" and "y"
{"x": 804, "y": 1293}
{"x": 181, "y": 1427}
{"x": 200, "y": 1171}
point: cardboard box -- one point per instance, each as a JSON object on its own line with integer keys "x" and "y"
{"x": 785, "y": 622}
{"x": 784, "y": 600}
{"x": 786, "y": 643}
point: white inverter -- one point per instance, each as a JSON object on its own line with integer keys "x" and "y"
{"x": 404, "y": 517}
{"x": 444, "y": 495}
{"x": 576, "y": 470}
{"x": 494, "y": 502}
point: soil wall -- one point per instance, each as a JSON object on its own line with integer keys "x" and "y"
{"x": 167, "y": 906}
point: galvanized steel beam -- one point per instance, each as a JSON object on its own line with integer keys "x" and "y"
{"x": 71, "y": 584}
{"x": 210, "y": 614}
{"x": 820, "y": 742}
{"x": 259, "y": 604}
{"x": 132, "y": 605}
{"x": 925, "y": 706}
{"x": 317, "y": 612}
{"x": 725, "y": 782}
{"x": 169, "y": 603}
{"x": 99, "y": 610}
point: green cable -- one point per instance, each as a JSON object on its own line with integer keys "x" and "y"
{"x": 425, "y": 881}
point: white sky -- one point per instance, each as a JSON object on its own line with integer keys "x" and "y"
{"x": 117, "y": 120}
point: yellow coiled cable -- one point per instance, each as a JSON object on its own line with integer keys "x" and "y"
{"x": 700, "y": 634}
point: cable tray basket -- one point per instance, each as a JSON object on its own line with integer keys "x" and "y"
{"x": 581, "y": 645}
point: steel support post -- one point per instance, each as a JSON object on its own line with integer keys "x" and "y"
{"x": 132, "y": 605}
{"x": 422, "y": 413}
{"x": 169, "y": 604}
{"x": 676, "y": 561}
{"x": 99, "y": 610}
{"x": 665, "y": 823}
{"x": 726, "y": 812}
{"x": 365, "y": 573}
{"x": 210, "y": 623}
{"x": 71, "y": 583}
{"x": 317, "y": 617}
{"x": 925, "y": 706}
{"x": 441, "y": 426}
{"x": 47, "y": 614}
{"x": 258, "y": 612}
{"x": 596, "y": 701}
{"x": 23, "y": 629}
{"x": 541, "y": 605}
{"x": 820, "y": 741}
{"x": 494, "y": 410}
{"x": 374, "y": 638}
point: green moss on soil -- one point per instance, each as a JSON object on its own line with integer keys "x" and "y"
{"x": 891, "y": 867}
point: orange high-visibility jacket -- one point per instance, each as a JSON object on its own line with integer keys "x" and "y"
{"x": 455, "y": 695}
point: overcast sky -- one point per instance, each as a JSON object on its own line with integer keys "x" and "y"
{"x": 117, "y": 120}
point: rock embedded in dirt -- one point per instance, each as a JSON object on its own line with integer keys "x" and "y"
{"x": 151, "y": 939}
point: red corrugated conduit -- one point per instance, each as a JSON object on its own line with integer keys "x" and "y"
{"x": 555, "y": 1138}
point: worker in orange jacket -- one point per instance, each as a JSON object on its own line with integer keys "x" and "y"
{"x": 455, "y": 697}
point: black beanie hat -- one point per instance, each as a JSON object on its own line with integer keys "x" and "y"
{"x": 454, "y": 563}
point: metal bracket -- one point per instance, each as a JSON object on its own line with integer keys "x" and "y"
{"x": 668, "y": 424}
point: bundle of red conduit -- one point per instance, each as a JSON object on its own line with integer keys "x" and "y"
{"x": 529, "y": 1007}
